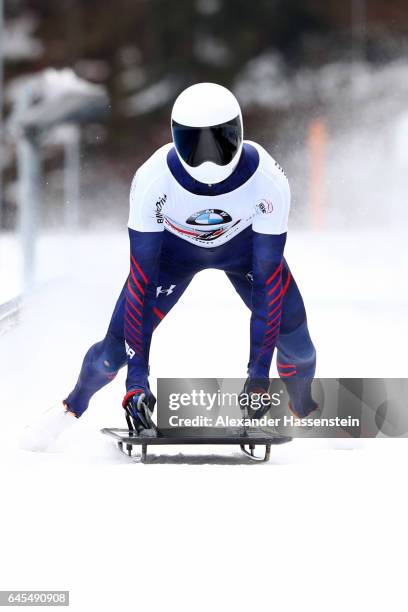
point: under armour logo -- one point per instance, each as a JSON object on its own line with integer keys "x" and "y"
{"x": 129, "y": 351}
{"x": 168, "y": 291}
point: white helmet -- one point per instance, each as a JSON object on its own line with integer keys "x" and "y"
{"x": 206, "y": 123}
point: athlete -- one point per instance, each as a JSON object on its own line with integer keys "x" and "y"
{"x": 209, "y": 199}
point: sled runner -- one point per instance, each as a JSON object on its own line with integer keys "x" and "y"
{"x": 247, "y": 439}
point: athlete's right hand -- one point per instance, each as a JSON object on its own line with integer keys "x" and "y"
{"x": 254, "y": 390}
{"x": 139, "y": 405}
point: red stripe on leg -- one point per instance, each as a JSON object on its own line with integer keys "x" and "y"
{"x": 270, "y": 341}
{"x": 138, "y": 285}
{"x": 137, "y": 298}
{"x": 276, "y": 298}
{"x": 135, "y": 308}
{"x": 274, "y": 310}
{"x": 158, "y": 313}
{"x": 274, "y": 319}
{"x": 274, "y": 288}
{"x": 132, "y": 336}
{"x": 129, "y": 314}
{"x": 132, "y": 326}
{"x": 278, "y": 269}
{"x": 132, "y": 316}
{"x": 139, "y": 269}
{"x": 272, "y": 329}
{"x": 285, "y": 288}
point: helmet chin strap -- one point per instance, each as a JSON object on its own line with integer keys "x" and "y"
{"x": 210, "y": 173}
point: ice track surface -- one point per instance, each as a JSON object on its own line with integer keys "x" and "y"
{"x": 314, "y": 529}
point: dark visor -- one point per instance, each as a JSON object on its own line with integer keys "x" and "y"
{"x": 218, "y": 143}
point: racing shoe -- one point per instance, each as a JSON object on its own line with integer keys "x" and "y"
{"x": 313, "y": 411}
{"x": 46, "y": 428}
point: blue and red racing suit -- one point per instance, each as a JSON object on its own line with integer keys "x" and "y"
{"x": 178, "y": 227}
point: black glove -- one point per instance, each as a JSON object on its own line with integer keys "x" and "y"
{"x": 139, "y": 406}
{"x": 253, "y": 397}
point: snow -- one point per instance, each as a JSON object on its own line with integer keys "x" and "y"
{"x": 52, "y": 84}
{"x": 10, "y": 267}
{"x": 312, "y": 528}
{"x": 265, "y": 81}
{"x": 151, "y": 97}
{"x": 19, "y": 43}
{"x": 203, "y": 528}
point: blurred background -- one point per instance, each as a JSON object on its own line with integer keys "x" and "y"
{"x": 86, "y": 89}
